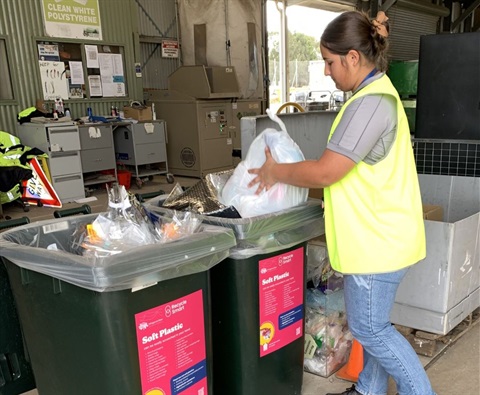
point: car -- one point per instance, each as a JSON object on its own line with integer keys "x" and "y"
{"x": 318, "y": 100}
{"x": 299, "y": 97}
{"x": 324, "y": 100}
{"x": 319, "y": 96}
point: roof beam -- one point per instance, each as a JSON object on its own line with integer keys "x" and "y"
{"x": 464, "y": 15}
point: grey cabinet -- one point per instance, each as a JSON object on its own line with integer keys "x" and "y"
{"x": 61, "y": 142}
{"x": 141, "y": 148}
{"x": 97, "y": 154}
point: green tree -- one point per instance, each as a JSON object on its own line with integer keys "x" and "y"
{"x": 301, "y": 50}
{"x": 300, "y": 47}
{"x": 273, "y": 46}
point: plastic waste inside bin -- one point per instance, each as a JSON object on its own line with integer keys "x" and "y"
{"x": 132, "y": 323}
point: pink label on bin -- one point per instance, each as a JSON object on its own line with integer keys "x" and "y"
{"x": 281, "y": 300}
{"x": 171, "y": 347}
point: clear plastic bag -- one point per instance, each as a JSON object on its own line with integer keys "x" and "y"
{"x": 180, "y": 225}
{"x": 47, "y": 247}
{"x": 280, "y": 196}
{"x": 332, "y": 341}
{"x": 122, "y": 227}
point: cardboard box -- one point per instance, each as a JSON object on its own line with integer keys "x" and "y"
{"x": 319, "y": 240}
{"x": 432, "y": 212}
{"x": 316, "y": 193}
{"x": 140, "y": 114}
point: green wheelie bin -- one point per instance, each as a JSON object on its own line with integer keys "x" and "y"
{"x": 258, "y": 296}
{"x": 16, "y": 375}
{"x": 137, "y": 322}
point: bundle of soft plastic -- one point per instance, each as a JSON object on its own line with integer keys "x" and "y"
{"x": 122, "y": 227}
{"x": 280, "y": 196}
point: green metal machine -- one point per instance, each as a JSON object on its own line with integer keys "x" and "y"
{"x": 404, "y": 76}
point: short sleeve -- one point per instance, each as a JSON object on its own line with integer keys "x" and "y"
{"x": 367, "y": 129}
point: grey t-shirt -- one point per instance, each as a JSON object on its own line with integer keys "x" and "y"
{"x": 368, "y": 127}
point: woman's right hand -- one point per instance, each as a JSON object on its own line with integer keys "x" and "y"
{"x": 264, "y": 175}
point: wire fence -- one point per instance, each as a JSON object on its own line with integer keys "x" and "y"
{"x": 447, "y": 157}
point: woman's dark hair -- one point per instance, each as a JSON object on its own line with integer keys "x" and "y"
{"x": 355, "y": 30}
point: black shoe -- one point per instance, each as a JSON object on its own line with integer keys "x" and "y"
{"x": 349, "y": 391}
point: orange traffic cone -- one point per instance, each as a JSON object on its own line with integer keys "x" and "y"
{"x": 354, "y": 366}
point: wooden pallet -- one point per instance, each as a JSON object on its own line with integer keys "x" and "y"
{"x": 432, "y": 344}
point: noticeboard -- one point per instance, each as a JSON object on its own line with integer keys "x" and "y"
{"x": 76, "y": 71}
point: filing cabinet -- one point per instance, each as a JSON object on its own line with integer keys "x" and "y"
{"x": 97, "y": 154}
{"x": 61, "y": 141}
{"x": 141, "y": 148}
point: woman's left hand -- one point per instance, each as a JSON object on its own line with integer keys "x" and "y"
{"x": 264, "y": 178}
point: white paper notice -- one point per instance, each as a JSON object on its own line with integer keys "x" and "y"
{"x": 105, "y": 63}
{"x": 95, "y": 85}
{"x": 94, "y": 133}
{"x": 54, "y": 82}
{"x": 149, "y": 127}
{"x": 48, "y": 52}
{"x": 91, "y": 53}
{"x": 76, "y": 73}
{"x": 117, "y": 64}
{"x": 119, "y": 89}
{"x": 111, "y": 70}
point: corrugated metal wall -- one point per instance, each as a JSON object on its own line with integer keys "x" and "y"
{"x": 22, "y": 22}
{"x": 18, "y": 21}
{"x": 157, "y": 20}
{"x": 406, "y": 27}
{"x": 138, "y": 26}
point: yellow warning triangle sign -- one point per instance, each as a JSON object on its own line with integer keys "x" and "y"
{"x": 38, "y": 188}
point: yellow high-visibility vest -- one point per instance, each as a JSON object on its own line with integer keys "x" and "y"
{"x": 26, "y": 112}
{"x": 373, "y": 216}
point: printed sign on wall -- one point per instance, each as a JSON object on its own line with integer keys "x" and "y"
{"x": 171, "y": 347}
{"x": 72, "y": 19}
{"x": 169, "y": 49}
{"x": 281, "y": 287}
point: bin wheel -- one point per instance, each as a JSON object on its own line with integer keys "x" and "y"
{"x": 139, "y": 182}
{"x": 170, "y": 178}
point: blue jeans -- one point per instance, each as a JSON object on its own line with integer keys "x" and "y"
{"x": 369, "y": 300}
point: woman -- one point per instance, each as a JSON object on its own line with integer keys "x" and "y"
{"x": 373, "y": 212}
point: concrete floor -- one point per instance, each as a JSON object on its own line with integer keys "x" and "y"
{"x": 454, "y": 370}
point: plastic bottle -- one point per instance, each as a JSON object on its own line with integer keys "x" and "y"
{"x": 154, "y": 114}
{"x": 60, "y": 109}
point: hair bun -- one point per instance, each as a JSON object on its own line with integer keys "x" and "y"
{"x": 380, "y": 24}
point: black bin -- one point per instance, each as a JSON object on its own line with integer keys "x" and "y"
{"x": 133, "y": 323}
{"x": 258, "y": 296}
{"x": 16, "y": 375}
